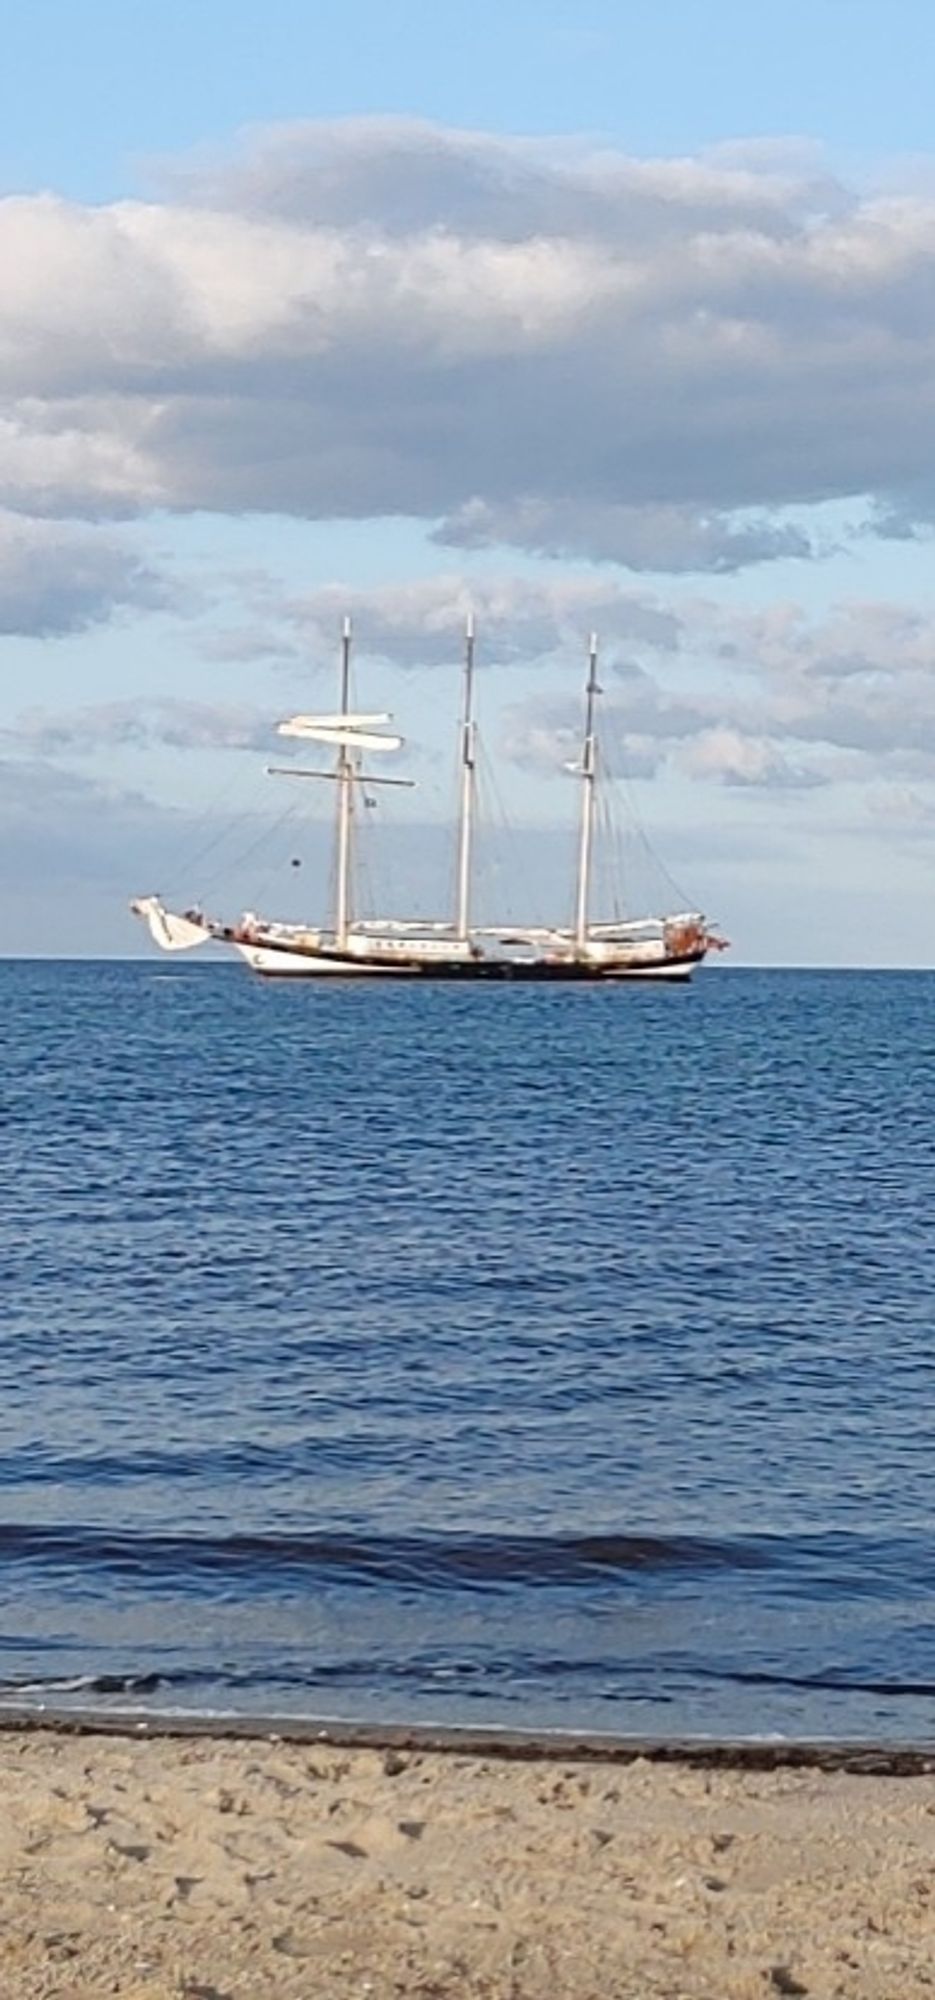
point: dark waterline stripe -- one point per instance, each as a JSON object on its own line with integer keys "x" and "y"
{"x": 875, "y": 1759}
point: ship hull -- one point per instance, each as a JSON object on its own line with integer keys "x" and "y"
{"x": 278, "y": 962}
{"x": 273, "y": 953}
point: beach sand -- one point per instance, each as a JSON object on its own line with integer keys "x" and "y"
{"x": 157, "y": 1868}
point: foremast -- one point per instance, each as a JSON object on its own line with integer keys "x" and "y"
{"x": 347, "y": 734}
{"x": 587, "y": 772}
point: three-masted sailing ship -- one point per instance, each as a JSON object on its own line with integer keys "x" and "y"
{"x": 656, "y": 947}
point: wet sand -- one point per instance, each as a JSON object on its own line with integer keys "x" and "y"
{"x": 221, "y": 1869}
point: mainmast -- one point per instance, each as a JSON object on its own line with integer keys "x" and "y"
{"x": 468, "y": 762}
{"x": 344, "y": 772}
{"x": 588, "y": 773}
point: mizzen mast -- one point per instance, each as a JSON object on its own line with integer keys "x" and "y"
{"x": 588, "y": 775}
{"x": 468, "y": 763}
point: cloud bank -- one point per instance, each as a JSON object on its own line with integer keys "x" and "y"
{"x": 573, "y": 352}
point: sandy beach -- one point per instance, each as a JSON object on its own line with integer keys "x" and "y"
{"x": 159, "y": 1868}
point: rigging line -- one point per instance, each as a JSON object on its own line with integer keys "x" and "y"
{"x": 187, "y": 848}
{"x": 599, "y": 868}
{"x": 224, "y": 833}
{"x": 517, "y": 875}
{"x": 664, "y": 873}
{"x": 607, "y": 871}
{"x": 451, "y": 838}
{"x": 262, "y": 882}
{"x": 483, "y": 876}
{"x": 640, "y": 839}
{"x": 614, "y": 864}
{"x": 267, "y": 833}
{"x": 365, "y": 872}
{"x": 494, "y": 819}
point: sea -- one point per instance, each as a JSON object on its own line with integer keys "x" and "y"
{"x": 554, "y": 1358}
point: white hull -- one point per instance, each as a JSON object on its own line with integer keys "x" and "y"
{"x": 278, "y": 962}
{"x": 393, "y": 956}
{"x": 281, "y": 964}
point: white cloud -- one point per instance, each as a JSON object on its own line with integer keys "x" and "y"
{"x": 566, "y": 349}
{"x": 901, "y": 806}
{"x": 728, "y": 757}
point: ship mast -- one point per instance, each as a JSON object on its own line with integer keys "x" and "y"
{"x": 344, "y": 772}
{"x": 468, "y": 762}
{"x": 588, "y": 774}
{"x": 347, "y": 735}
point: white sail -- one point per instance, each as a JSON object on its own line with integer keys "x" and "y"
{"x": 170, "y": 932}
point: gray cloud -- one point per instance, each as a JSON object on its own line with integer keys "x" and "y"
{"x": 518, "y": 620}
{"x": 141, "y": 725}
{"x": 406, "y": 176}
{"x": 860, "y": 681}
{"x": 506, "y": 339}
{"x": 57, "y": 578}
{"x": 804, "y": 701}
{"x": 762, "y": 700}
{"x": 640, "y": 738}
{"x": 767, "y": 700}
{"x": 658, "y": 538}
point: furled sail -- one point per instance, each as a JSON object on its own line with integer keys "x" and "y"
{"x": 170, "y": 932}
{"x": 343, "y": 732}
{"x": 335, "y": 721}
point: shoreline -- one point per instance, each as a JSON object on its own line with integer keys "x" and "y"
{"x": 860, "y": 1757}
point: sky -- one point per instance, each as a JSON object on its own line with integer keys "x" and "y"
{"x": 581, "y": 317}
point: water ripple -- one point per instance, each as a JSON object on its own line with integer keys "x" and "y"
{"x": 564, "y": 1357}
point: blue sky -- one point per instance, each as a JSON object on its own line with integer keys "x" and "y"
{"x": 587, "y": 314}
{"x": 91, "y": 93}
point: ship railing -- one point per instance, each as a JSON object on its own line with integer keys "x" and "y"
{"x": 401, "y": 926}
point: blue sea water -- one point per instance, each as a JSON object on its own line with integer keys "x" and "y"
{"x": 531, "y": 1356}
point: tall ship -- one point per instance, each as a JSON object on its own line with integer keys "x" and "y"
{"x": 657, "y": 947}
